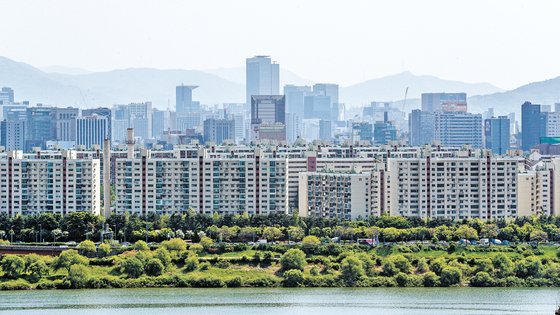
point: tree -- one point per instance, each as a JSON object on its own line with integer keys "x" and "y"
{"x": 351, "y": 270}
{"x": 87, "y": 248}
{"x": 295, "y": 233}
{"x": 141, "y": 246}
{"x": 191, "y": 263}
{"x": 293, "y": 259}
{"x": 503, "y": 265}
{"x": 38, "y": 269}
{"x": 401, "y": 263}
{"x": 538, "y": 236}
{"x": 206, "y": 242}
{"x": 293, "y": 278}
{"x": 104, "y": 250}
{"x": 68, "y": 258}
{"x": 390, "y": 234}
{"x": 482, "y": 279}
{"x": 311, "y": 240}
{"x": 465, "y": 232}
{"x": 154, "y": 267}
{"x": 175, "y": 244}
{"x": 450, "y": 276}
{"x": 13, "y": 266}
{"x": 272, "y": 233}
{"x": 422, "y": 265}
{"x": 78, "y": 276}
{"x": 133, "y": 267}
{"x": 163, "y": 255}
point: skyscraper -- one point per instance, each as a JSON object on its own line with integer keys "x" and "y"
{"x": 268, "y": 112}
{"x": 362, "y": 131}
{"x": 64, "y": 120}
{"x": 421, "y": 127}
{"x": 102, "y": 111}
{"x": 447, "y": 102}
{"x": 92, "y": 130}
{"x": 262, "y": 77}
{"x": 327, "y": 89}
{"x": 6, "y": 95}
{"x": 219, "y": 130}
{"x": 183, "y": 99}
{"x": 295, "y": 98}
{"x": 458, "y": 128}
{"x": 497, "y": 134}
{"x": 39, "y": 127}
{"x": 384, "y": 131}
{"x": 533, "y": 125}
{"x": 160, "y": 122}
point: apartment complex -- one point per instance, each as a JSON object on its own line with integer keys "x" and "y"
{"x": 33, "y": 184}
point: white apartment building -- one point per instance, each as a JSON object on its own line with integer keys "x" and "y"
{"x": 31, "y": 184}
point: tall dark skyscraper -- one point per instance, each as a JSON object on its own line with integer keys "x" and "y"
{"x": 268, "y": 117}
{"x": 496, "y": 134}
{"x": 533, "y": 125}
{"x": 183, "y": 99}
{"x": 421, "y": 126}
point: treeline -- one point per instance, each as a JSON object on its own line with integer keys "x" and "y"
{"x": 242, "y": 228}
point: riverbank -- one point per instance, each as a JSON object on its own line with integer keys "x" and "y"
{"x": 176, "y": 264}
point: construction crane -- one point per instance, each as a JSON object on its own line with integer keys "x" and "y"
{"x": 404, "y": 101}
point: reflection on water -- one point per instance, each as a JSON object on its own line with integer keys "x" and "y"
{"x": 247, "y": 301}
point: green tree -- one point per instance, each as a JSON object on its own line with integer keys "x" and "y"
{"x": 422, "y": 265}
{"x": 133, "y": 267}
{"x": 87, "y": 248}
{"x": 68, "y": 258}
{"x": 450, "y": 276}
{"x": 164, "y": 256}
{"x": 311, "y": 240}
{"x": 13, "y": 266}
{"x": 104, "y": 250}
{"x": 293, "y": 259}
{"x": 430, "y": 279}
{"x": 503, "y": 265}
{"x": 206, "y": 242}
{"x": 175, "y": 244}
{"x": 293, "y": 278}
{"x": 351, "y": 270}
{"x": 272, "y": 233}
{"x": 465, "y": 232}
{"x": 154, "y": 267}
{"x": 141, "y": 246}
{"x": 78, "y": 276}
{"x": 538, "y": 236}
{"x": 295, "y": 233}
{"x": 38, "y": 269}
{"x": 401, "y": 263}
{"x": 482, "y": 279}
{"x": 191, "y": 263}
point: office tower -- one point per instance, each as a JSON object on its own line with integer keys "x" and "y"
{"x": 141, "y": 119}
{"x": 39, "y": 127}
{"x": 33, "y": 185}
{"x": 458, "y": 128}
{"x": 552, "y": 121}
{"x": 101, "y": 111}
{"x": 327, "y": 89}
{"x": 293, "y": 127}
{"x": 533, "y": 125}
{"x": 384, "y": 131}
{"x": 317, "y": 106}
{"x": 64, "y": 120}
{"x": 325, "y": 130}
{"x": 92, "y": 130}
{"x": 119, "y": 123}
{"x": 240, "y": 127}
{"x": 190, "y": 120}
{"x": 497, "y": 134}
{"x": 447, "y": 102}
{"x": 13, "y": 129}
{"x": 295, "y": 98}
{"x": 219, "y": 130}
{"x": 262, "y": 77}
{"x": 337, "y": 112}
{"x": 362, "y": 131}
{"x": 421, "y": 127}
{"x": 183, "y": 99}
{"x": 160, "y": 123}
{"x": 268, "y": 117}
{"x": 6, "y": 95}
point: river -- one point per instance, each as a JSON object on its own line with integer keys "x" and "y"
{"x": 275, "y": 301}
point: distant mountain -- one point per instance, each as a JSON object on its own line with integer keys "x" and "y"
{"x": 237, "y": 75}
{"x": 113, "y": 87}
{"x": 544, "y": 92}
{"x": 392, "y": 88}
{"x": 64, "y": 70}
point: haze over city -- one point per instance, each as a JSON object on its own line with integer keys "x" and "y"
{"x": 505, "y": 43}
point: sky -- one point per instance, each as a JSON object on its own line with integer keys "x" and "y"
{"x": 507, "y": 43}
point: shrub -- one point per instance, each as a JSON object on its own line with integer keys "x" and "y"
{"x": 141, "y": 246}
{"x": 389, "y": 268}
{"x": 206, "y": 242}
{"x": 482, "y": 279}
{"x": 87, "y": 248}
{"x": 311, "y": 240}
{"x": 175, "y": 244}
{"x": 430, "y": 279}
{"x": 422, "y": 265}
{"x": 293, "y": 278}
{"x": 78, "y": 276}
{"x": 133, "y": 267}
{"x": 154, "y": 267}
{"x": 197, "y": 248}
{"x": 163, "y": 256}
{"x": 450, "y": 276}
{"x": 38, "y": 270}
{"x": 204, "y": 266}
{"x": 13, "y": 266}
{"x": 104, "y": 250}
{"x": 401, "y": 263}
{"x": 234, "y": 282}
{"x": 351, "y": 270}
{"x": 68, "y": 258}
{"x": 293, "y": 259}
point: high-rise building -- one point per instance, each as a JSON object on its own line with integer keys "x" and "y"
{"x": 421, "y": 127}
{"x": 12, "y": 134}
{"x": 327, "y": 89}
{"x": 533, "y": 125}
{"x": 6, "y": 95}
{"x": 268, "y": 117}
{"x": 293, "y": 127}
{"x": 325, "y": 130}
{"x": 92, "y": 130}
{"x": 262, "y": 77}
{"x": 458, "y": 128}
{"x": 39, "y": 125}
{"x": 64, "y": 120}
{"x": 219, "y": 130}
{"x": 497, "y": 134}
{"x": 552, "y": 120}
{"x": 101, "y": 111}
{"x": 119, "y": 123}
{"x": 384, "y": 131}
{"x": 317, "y": 106}
{"x": 295, "y": 98}
{"x": 362, "y": 131}
{"x": 160, "y": 123}
{"x": 183, "y": 99}
{"x": 447, "y": 102}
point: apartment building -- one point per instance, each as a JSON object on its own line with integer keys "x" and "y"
{"x": 31, "y": 184}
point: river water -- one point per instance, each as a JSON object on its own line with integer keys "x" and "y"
{"x": 276, "y": 301}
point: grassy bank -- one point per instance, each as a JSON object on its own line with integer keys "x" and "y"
{"x": 175, "y": 264}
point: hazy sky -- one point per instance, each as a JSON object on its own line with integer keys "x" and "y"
{"x": 507, "y": 43}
